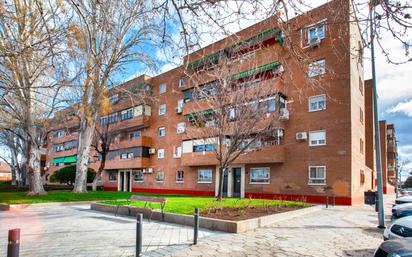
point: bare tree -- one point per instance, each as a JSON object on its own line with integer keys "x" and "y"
{"x": 30, "y": 40}
{"x": 106, "y": 36}
{"x": 240, "y": 112}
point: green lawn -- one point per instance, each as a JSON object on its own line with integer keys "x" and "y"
{"x": 175, "y": 203}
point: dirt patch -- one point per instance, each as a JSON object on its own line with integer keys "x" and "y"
{"x": 244, "y": 213}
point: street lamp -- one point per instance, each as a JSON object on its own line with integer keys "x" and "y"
{"x": 381, "y": 215}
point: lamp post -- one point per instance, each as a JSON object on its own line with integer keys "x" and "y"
{"x": 381, "y": 215}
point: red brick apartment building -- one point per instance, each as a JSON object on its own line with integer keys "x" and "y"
{"x": 324, "y": 128}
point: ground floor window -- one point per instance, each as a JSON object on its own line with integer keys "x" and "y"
{"x": 112, "y": 176}
{"x": 260, "y": 175}
{"x": 317, "y": 175}
{"x": 180, "y": 176}
{"x": 138, "y": 175}
{"x": 160, "y": 176}
{"x": 204, "y": 176}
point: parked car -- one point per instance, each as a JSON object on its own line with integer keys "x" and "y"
{"x": 401, "y": 210}
{"x": 403, "y": 199}
{"x": 395, "y": 248}
{"x": 400, "y": 228}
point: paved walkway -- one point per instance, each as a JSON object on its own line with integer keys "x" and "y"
{"x": 79, "y": 231}
{"x": 338, "y": 231}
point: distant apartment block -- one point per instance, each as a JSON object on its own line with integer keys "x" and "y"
{"x": 324, "y": 140}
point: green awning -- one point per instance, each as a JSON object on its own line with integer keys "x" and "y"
{"x": 208, "y": 58}
{"x": 64, "y": 159}
{"x": 267, "y": 34}
{"x": 255, "y": 71}
{"x": 192, "y": 116}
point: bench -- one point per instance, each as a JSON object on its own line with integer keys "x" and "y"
{"x": 147, "y": 200}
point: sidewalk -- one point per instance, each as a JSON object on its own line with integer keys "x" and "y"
{"x": 338, "y": 231}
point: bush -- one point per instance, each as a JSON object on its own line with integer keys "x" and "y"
{"x": 67, "y": 175}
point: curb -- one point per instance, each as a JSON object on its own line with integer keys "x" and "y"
{"x": 208, "y": 223}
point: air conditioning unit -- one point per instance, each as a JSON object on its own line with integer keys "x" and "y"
{"x": 301, "y": 136}
{"x": 178, "y": 110}
{"x": 314, "y": 42}
{"x": 152, "y": 151}
{"x": 147, "y": 170}
{"x": 284, "y": 114}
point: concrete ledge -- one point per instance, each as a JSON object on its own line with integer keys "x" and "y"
{"x": 208, "y": 223}
{"x": 9, "y": 207}
{"x": 4, "y": 207}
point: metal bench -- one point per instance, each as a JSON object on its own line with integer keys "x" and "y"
{"x": 147, "y": 200}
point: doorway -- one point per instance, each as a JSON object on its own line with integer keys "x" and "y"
{"x": 237, "y": 172}
{"x": 232, "y": 182}
{"x": 125, "y": 181}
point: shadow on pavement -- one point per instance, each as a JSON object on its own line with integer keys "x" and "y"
{"x": 359, "y": 253}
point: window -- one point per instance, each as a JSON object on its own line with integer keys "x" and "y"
{"x": 104, "y": 120}
{"x": 181, "y": 127}
{"x": 126, "y": 114}
{"x": 317, "y": 103}
{"x": 59, "y": 133}
{"x": 126, "y": 155}
{"x": 113, "y": 118}
{"x": 316, "y": 33}
{"x": 361, "y": 146}
{"x": 317, "y": 68}
{"x": 317, "y": 175}
{"x": 162, "y": 109}
{"x": 114, "y": 99}
{"x": 317, "y": 138}
{"x": 361, "y": 115}
{"x": 204, "y": 148}
{"x": 58, "y": 148}
{"x": 138, "y": 175}
{"x": 232, "y": 113}
{"x": 362, "y": 177}
{"x": 135, "y": 134}
{"x": 160, "y": 176}
{"x": 204, "y": 176}
{"x": 267, "y": 105}
{"x": 181, "y": 82}
{"x": 180, "y": 176}
{"x": 162, "y": 88}
{"x": 162, "y": 131}
{"x": 259, "y": 175}
{"x": 161, "y": 153}
{"x": 361, "y": 85}
{"x": 177, "y": 152}
{"x": 112, "y": 176}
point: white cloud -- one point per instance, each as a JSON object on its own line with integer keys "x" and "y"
{"x": 403, "y": 107}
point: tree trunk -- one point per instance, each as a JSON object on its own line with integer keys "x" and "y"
{"x": 220, "y": 188}
{"x": 35, "y": 180}
{"x": 87, "y": 127}
{"x": 99, "y": 171}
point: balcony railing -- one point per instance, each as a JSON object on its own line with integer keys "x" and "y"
{"x": 267, "y": 154}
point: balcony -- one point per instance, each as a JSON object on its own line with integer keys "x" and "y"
{"x": 66, "y": 138}
{"x": 268, "y": 154}
{"x": 269, "y": 87}
{"x": 133, "y": 163}
{"x": 138, "y": 122}
{"x": 125, "y": 142}
{"x": 63, "y": 153}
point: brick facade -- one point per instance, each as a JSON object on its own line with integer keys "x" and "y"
{"x": 346, "y": 119}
